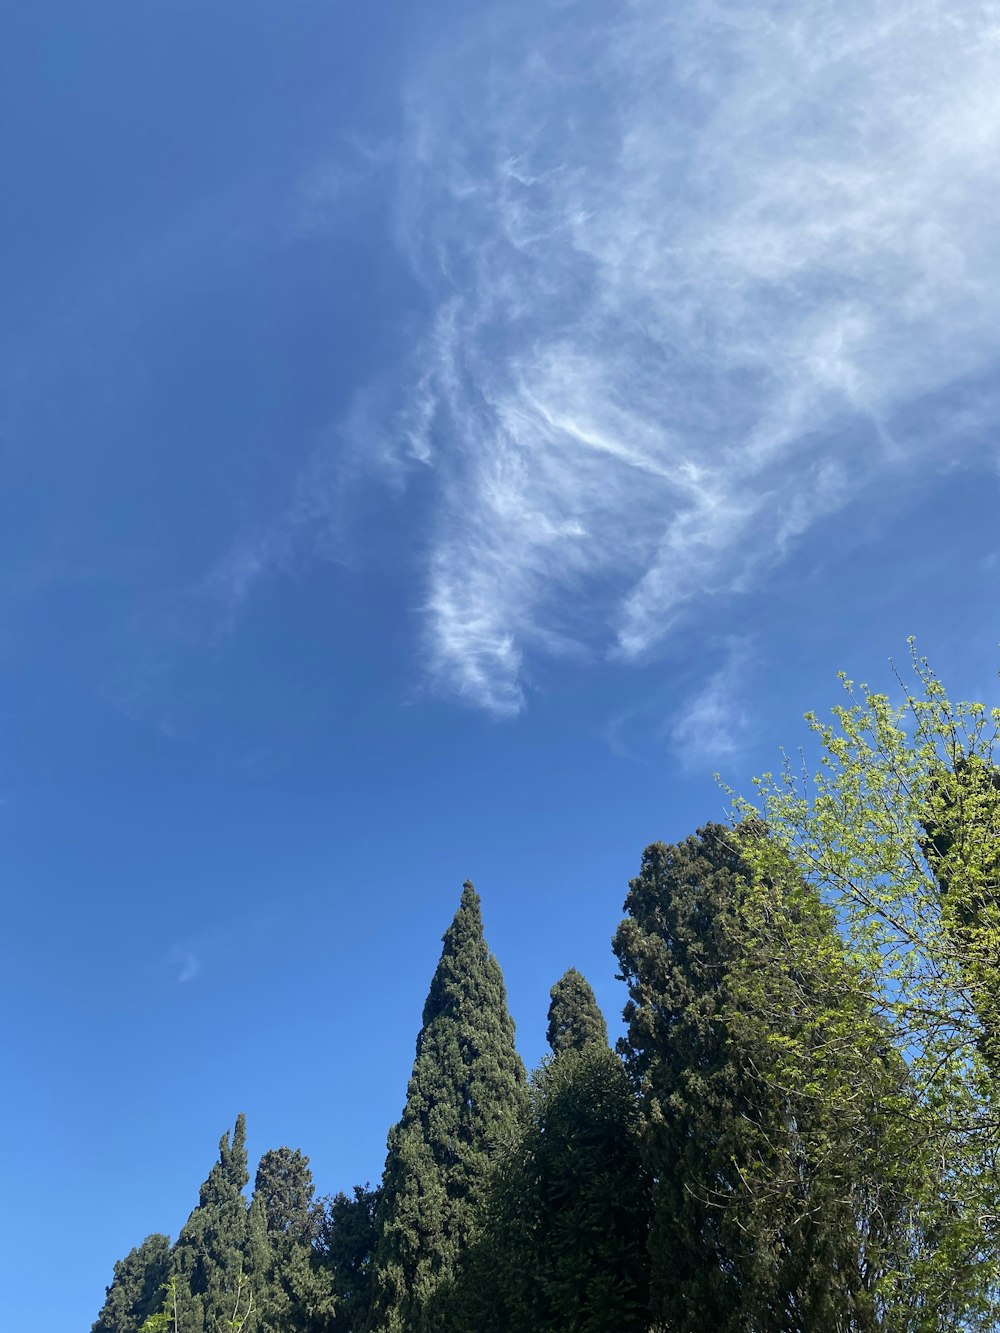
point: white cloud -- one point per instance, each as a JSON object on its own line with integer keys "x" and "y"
{"x": 692, "y": 263}
{"x": 187, "y": 962}
{"x": 713, "y": 723}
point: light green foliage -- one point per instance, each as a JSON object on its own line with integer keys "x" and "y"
{"x": 897, "y": 829}
{"x": 463, "y": 1098}
{"x": 167, "y": 1319}
{"x": 574, "y": 1017}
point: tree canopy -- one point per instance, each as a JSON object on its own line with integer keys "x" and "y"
{"x": 797, "y": 1130}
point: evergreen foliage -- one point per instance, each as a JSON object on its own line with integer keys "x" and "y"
{"x": 772, "y": 1209}
{"x": 284, "y": 1186}
{"x": 564, "y": 1248}
{"x": 293, "y": 1292}
{"x": 798, "y": 1133}
{"x": 463, "y": 1099}
{"x": 574, "y": 1017}
{"x": 210, "y": 1257}
{"x": 346, "y": 1246}
{"x": 136, "y": 1288}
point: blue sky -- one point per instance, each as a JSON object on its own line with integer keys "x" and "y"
{"x": 433, "y": 443}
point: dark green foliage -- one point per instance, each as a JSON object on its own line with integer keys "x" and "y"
{"x": 284, "y": 1185}
{"x": 210, "y": 1257}
{"x": 136, "y": 1289}
{"x": 463, "y": 1099}
{"x": 346, "y": 1248}
{"x": 574, "y": 1017}
{"x": 292, "y": 1291}
{"x": 564, "y": 1246}
{"x": 760, "y": 1075}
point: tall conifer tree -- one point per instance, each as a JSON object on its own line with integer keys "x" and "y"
{"x": 564, "y": 1244}
{"x": 346, "y": 1244}
{"x": 464, "y": 1095}
{"x": 210, "y": 1257}
{"x": 292, "y": 1292}
{"x": 136, "y": 1289}
{"x": 781, "y": 1193}
{"x": 574, "y": 1017}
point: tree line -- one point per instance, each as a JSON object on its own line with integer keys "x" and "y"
{"x": 796, "y": 1132}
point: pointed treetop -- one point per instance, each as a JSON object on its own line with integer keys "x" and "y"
{"x": 575, "y": 1021}
{"x": 464, "y": 1098}
{"x": 464, "y": 955}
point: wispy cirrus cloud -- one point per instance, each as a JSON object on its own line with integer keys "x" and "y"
{"x": 713, "y": 723}
{"x": 693, "y": 265}
{"x": 187, "y": 963}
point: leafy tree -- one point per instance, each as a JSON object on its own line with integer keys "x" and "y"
{"x": 962, "y": 846}
{"x": 166, "y": 1320}
{"x": 136, "y": 1288}
{"x": 777, "y": 1205}
{"x": 897, "y": 828}
{"x": 346, "y": 1248}
{"x": 210, "y": 1257}
{"x": 464, "y": 1094}
{"x": 574, "y": 1017}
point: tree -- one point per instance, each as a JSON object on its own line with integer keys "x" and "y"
{"x": 779, "y": 1203}
{"x": 136, "y": 1288}
{"x": 284, "y": 1184}
{"x": 564, "y": 1244}
{"x": 962, "y": 846}
{"x": 167, "y": 1319}
{"x": 574, "y": 1017}
{"x": 464, "y": 1094}
{"x": 897, "y": 829}
{"x": 210, "y": 1257}
{"x": 294, "y": 1293}
{"x": 346, "y": 1249}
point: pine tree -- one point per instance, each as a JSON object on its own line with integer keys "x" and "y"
{"x": 136, "y": 1288}
{"x": 210, "y": 1257}
{"x": 466, "y": 1089}
{"x": 574, "y": 1017}
{"x": 781, "y": 1194}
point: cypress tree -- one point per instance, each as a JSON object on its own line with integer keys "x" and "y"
{"x": 135, "y": 1290}
{"x": 210, "y": 1257}
{"x": 346, "y": 1247}
{"x": 564, "y": 1247}
{"x": 291, "y": 1291}
{"x": 284, "y": 1185}
{"x": 574, "y": 1017}
{"x": 463, "y": 1098}
{"x": 781, "y": 1195}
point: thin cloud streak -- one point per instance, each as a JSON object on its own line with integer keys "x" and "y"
{"x": 692, "y": 265}
{"x": 714, "y": 723}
